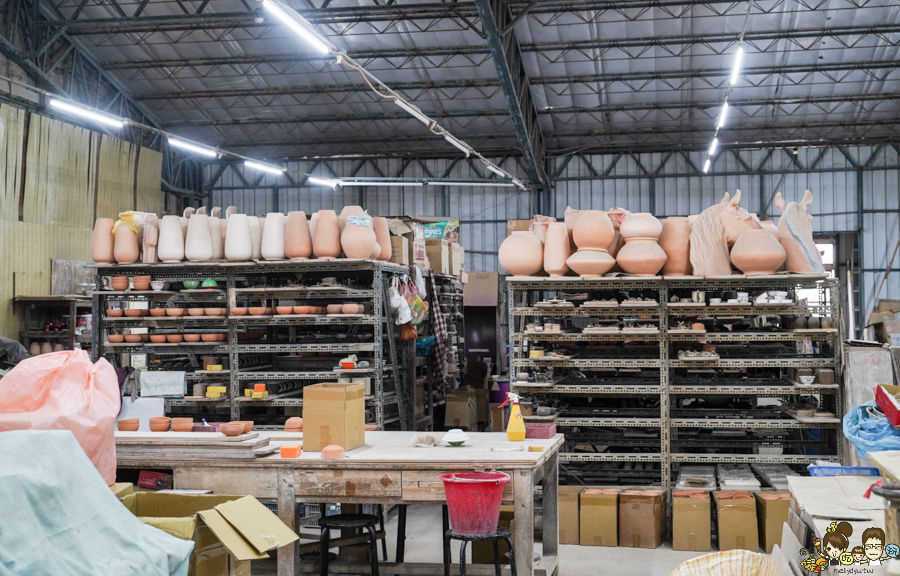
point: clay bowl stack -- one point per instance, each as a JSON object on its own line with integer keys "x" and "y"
{"x": 160, "y": 424}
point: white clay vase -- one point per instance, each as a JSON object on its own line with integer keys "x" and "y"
{"x": 238, "y": 244}
{"x": 358, "y": 239}
{"x": 312, "y": 224}
{"x": 215, "y": 235}
{"x": 198, "y": 246}
{"x": 171, "y": 241}
{"x": 255, "y": 237}
{"x": 185, "y": 220}
{"x": 273, "y": 237}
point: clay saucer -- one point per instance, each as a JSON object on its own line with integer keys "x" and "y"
{"x": 699, "y": 496}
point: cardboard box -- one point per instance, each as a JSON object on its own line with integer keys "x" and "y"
{"x": 333, "y": 414}
{"x": 691, "y": 524}
{"x": 517, "y": 226}
{"x": 598, "y": 518}
{"x": 483, "y": 552}
{"x": 642, "y": 520}
{"x": 461, "y": 409}
{"x": 228, "y": 531}
{"x": 482, "y": 289}
{"x": 886, "y": 305}
{"x": 737, "y": 528}
{"x": 497, "y": 423}
{"x": 400, "y": 250}
{"x": 772, "y": 515}
{"x": 413, "y": 231}
{"x": 438, "y": 252}
{"x": 122, "y": 489}
{"x": 569, "y": 521}
{"x": 457, "y": 259}
{"x": 482, "y": 406}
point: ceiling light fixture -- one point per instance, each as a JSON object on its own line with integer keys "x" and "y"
{"x": 706, "y": 166}
{"x": 380, "y": 183}
{"x": 518, "y": 183}
{"x": 713, "y": 146}
{"x": 87, "y": 113}
{"x": 196, "y": 149}
{"x": 737, "y": 65}
{"x": 415, "y": 112}
{"x": 496, "y": 170}
{"x": 323, "y": 181}
{"x": 462, "y": 147}
{"x": 488, "y": 184}
{"x": 298, "y": 24}
{"x": 722, "y": 116}
{"x": 264, "y": 167}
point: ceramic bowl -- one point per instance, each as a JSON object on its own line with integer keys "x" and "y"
{"x": 221, "y": 337}
{"x": 158, "y": 338}
{"x": 132, "y": 312}
{"x": 350, "y": 309}
{"x": 284, "y": 309}
{"x": 114, "y": 312}
{"x": 257, "y": 310}
{"x": 455, "y": 437}
{"x": 156, "y": 286}
{"x": 174, "y": 338}
{"x": 807, "y": 380}
{"x": 197, "y": 311}
{"x": 334, "y": 308}
{"x": 118, "y": 283}
{"x": 191, "y": 337}
{"x": 133, "y": 338}
{"x": 248, "y": 425}
{"x": 231, "y": 428}
{"x": 160, "y": 424}
{"x": 301, "y": 309}
{"x": 128, "y": 425}
{"x": 209, "y": 337}
{"x": 239, "y": 311}
{"x": 141, "y": 282}
{"x": 157, "y": 311}
{"x": 174, "y": 311}
{"x": 214, "y": 311}
{"x": 191, "y": 284}
{"x": 182, "y": 424}
{"x": 348, "y": 365}
{"x": 115, "y": 338}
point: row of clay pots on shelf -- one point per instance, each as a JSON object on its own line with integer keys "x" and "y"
{"x": 158, "y": 312}
{"x": 198, "y": 237}
{"x": 37, "y": 348}
{"x": 170, "y": 338}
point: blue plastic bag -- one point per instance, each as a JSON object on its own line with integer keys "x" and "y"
{"x": 869, "y": 434}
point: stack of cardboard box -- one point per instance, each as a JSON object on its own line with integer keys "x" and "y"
{"x": 885, "y": 320}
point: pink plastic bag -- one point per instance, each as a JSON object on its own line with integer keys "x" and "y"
{"x": 65, "y": 391}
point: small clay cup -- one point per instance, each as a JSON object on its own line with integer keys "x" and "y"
{"x": 182, "y": 424}
{"x": 301, "y": 309}
{"x": 128, "y": 425}
{"x": 257, "y": 310}
{"x": 214, "y": 311}
{"x": 197, "y": 311}
{"x": 119, "y": 283}
{"x": 284, "y": 309}
{"x": 209, "y": 337}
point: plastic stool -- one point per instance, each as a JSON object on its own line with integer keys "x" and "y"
{"x": 500, "y": 534}
{"x": 347, "y": 522}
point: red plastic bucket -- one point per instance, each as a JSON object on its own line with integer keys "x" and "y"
{"x": 473, "y": 500}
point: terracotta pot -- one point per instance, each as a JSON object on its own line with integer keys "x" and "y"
{"x": 556, "y": 250}
{"x": 157, "y": 338}
{"x": 238, "y": 244}
{"x": 698, "y": 326}
{"x": 130, "y": 338}
{"x": 255, "y": 237}
{"x": 350, "y": 309}
{"x": 214, "y": 311}
{"x": 284, "y": 309}
{"x": 125, "y": 245}
{"x": 302, "y": 309}
{"x": 141, "y": 282}
{"x": 157, "y": 312}
{"x": 813, "y": 323}
{"x": 327, "y": 236}
{"x": 102, "y": 241}
{"x": 347, "y": 212}
{"x": 215, "y": 236}
{"x": 197, "y": 311}
{"x": 334, "y": 452}
{"x": 257, "y": 310}
{"x": 182, "y": 424}
{"x": 641, "y": 225}
{"x": 46, "y": 348}
{"x": 174, "y": 338}
{"x": 522, "y": 254}
{"x": 113, "y": 339}
{"x": 335, "y": 308}
{"x": 272, "y": 247}
{"x": 297, "y": 239}
{"x": 132, "y": 312}
{"x": 119, "y": 283}
{"x": 294, "y": 424}
{"x": 160, "y": 424}
{"x": 240, "y": 311}
{"x": 358, "y": 238}
{"x": 591, "y": 261}
{"x": 128, "y": 425}
{"x": 248, "y": 425}
{"x": 191, "y": 337}
{"x": 383, "y": 236}
{"x": 114, "y": 312}
{"x": 198, "y": 245}
{"x": 641, "y": 256}
{"x": 593, "y": 229}
{"x": 757, "y": 251}
{"x": 675, "y": 241}
{"x": 209, "y": 337}
{"x": 231, "y": 428}
{"x": 175, "y": 312}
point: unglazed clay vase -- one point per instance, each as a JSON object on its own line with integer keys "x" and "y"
{"x": 34, "y": 349}
{"x": 522, "y": 254}
{"x": 358, "y": 238}
{"x": 238, "y": 244}
{"x": 640, "y": 225}
{"x": 327, "y": 237}
{"x": 185, "y": 220}
{"x": 102, "y": 241}
{"x": 593, "y": 233}
{"x": 125, "y": 247}
{"x": 757, "y": 252}
{"x": 675, "y": 241}
{"x": 46, "y": 348}
{"x": 150, "y": 241}
{"x": 297, "y": 239}
{"x": 255, "y": 237}
{"x": 617, "y": 216}
{"x": 641, "y": 257}
{"x": 215, "y": 236}
{"x": 346, "y": 212}
{"x": 571, "y": 218}
{"x": 383, "y": 234}
{"x": 273, "y": 237}
{"x": 591, "y": 262}
{"x": 556, "y": 249}
{"x": 312, "y": 224}
{"x": 198, "y": 245}
{"x": 171, "y": 240}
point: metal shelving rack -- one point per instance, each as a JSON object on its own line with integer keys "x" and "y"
{"x": 255, "y": 282}
{"x": 647, "y": 376}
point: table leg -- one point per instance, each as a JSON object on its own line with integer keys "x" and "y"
{"x": 523, "y": 498}
{"x": 287, "y": 509}
{"x": 550, "y": 502}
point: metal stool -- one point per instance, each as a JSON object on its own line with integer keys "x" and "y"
{"x": 500, "y": 534}
{"x": 347, "y": 522}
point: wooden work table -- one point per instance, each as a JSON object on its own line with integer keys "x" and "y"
{"x": 386, "y": 470}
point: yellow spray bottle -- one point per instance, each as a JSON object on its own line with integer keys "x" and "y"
{"x": 515, "y": 430}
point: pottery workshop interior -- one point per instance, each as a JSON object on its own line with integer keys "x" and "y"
{"x": 449, "y": 287}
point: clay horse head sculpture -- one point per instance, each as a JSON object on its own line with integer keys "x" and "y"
{"x": 714, "y": 232}
{"x": 795, "y": 232}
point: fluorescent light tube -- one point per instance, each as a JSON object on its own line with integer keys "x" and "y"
{"x": 201, "y": 150}
{"x": 518, "y": 183}
{"x": 298, "y": 24}
{"x": 722, "y": 116}
{"x": 487, "y": 184}
{"x": 91, "y": 114}
{"x": 713, "y": 146}
{"x": 380, "y": 183}
{"x": 737, "y": 65}
{"x": 264, "y": 167}
{"x": 414, "y": 112}
{"x": 323, "y": 181}
{"x": 706, "y": 166}
{"x": 462, "y": 147}
{"x": 496, "y": 170}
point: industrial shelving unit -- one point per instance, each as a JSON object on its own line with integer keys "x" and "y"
{"x": 285, "y": 352}
{"x": 627, "y": 393}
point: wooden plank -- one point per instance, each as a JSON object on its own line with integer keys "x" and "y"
{"x": 523, "y": 514}
{"x": 337, "y": 483}
{"x": 287, "y": 512}
{"x": 180, "y": 438}
{"x": 261, "y": 483}
{"x": 249, "y": 445}
{"x": 421, "y": 486}
{"x": 198, "y": 453}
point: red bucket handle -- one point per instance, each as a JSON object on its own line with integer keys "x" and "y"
{"x": 452, "y": 477}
